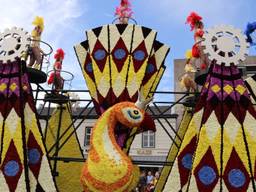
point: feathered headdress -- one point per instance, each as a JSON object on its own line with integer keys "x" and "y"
{"x": 188, "y": 54}
{"x": 59, "y": 54}
{"x": 193, "y": 19}
{"x": 125, "y": 3}
{"x": 39, "y": 21}
{"x": 124, "y": 10}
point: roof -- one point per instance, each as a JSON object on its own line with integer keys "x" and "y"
{"x": 90, "y": 113}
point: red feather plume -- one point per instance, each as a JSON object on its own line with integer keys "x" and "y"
{"x": 192, "y": 19}
{"x": 124, "y": 10}
{"x": 125, "y": 3}
{"x": 59, "y": 54}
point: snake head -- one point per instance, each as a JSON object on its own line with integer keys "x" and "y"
{"x": 129, "y": 115}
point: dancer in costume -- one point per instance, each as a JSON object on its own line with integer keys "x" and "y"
{"x": 36, "y": 52}
{"x": 55, "y": 76}
{"x": 189, "y": 67}
{"x": 186, "y": 80}
{"x": 124, "y": 11}
{"x": 217, "y": 153}
{"x": 196, "y": 24}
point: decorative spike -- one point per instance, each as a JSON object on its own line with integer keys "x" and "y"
{"x": 141, "y": 102}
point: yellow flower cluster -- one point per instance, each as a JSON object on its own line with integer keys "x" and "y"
{"x": 107, "y": 167}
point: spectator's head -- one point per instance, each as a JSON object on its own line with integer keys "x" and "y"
{"x": 157, "y": 174}
{"x": 149, "y": 173}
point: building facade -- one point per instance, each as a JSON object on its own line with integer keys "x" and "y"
{"x": 149, "y": 149}
{"x": 248, "y": 68}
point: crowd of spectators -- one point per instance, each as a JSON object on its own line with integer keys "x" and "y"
{"x": 147, "y": 181}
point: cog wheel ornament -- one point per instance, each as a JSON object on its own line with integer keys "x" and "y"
{"x": 225, "y": 44}
{"x": 13, "y": 42}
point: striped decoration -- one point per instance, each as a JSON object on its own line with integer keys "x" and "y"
{"x": 131, "y": 59}
{"x": 250, "y": 83}
{"x": 154, "y": 73}
{"x": 23, "y": 161}
{"x": 123, "y": 59}
{"x": 69, "y": 173}
{"x": 161, "y": 183}
{"x": 218, "y": 150}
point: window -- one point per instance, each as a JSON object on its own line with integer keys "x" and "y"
{"x": 88, "y": 131}
{"x": 148, "y": 139}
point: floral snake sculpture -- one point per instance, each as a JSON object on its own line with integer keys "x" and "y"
{"x": 108, "y": 168}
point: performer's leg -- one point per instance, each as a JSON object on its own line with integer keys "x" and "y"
{"x": 31, "y": 58}
{"x": 38, "y": 57}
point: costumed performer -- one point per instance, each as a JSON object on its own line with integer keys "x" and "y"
{"x": 186, "y": 79}
{"x": 196, "y": 24}
{"x": 55, "y": 76}
{"x": 36, "y": 52}
{"x": 124, "y": 11}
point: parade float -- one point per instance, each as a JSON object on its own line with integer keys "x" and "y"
{"x": 24, "y": 163}
{"x": 118, "y": 61}
{"x": 122, "y": 64}
{"x": 217, "y": 150}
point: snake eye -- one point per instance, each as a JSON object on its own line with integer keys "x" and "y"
{"x": 133, "y": 113}
{"x": 136, "y": 112}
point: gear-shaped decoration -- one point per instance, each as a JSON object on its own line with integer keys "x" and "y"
{"x": 13, "y": 42}
{"x": 225, "y": 45}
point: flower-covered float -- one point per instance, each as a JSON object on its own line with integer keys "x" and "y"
{"x": 217, "y": 153}
{"x": 107, "y": 167}
{"x": 24, "y": 164}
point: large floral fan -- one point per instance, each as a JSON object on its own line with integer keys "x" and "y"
{"x": 155, "y": 69}
{"x": 85, "y": 61}
{"x": 117, "y": 61}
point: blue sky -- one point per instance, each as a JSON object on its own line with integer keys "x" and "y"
{"x": 67, "y": 20}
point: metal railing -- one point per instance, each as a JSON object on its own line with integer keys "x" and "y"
{"x": 160, "y": 110}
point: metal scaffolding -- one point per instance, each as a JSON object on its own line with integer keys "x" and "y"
{"x": 160, "y": 110}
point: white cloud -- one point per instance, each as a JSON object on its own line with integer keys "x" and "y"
{"x": 57, "y": 13}
{"x": 60, "y": 20}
